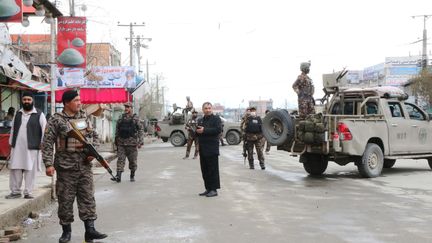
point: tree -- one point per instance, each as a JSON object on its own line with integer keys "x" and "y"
{"x": 421, "y": 87}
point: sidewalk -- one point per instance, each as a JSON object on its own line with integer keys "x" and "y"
{"x": 14, "y": 211}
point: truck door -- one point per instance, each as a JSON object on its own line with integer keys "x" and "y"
{"x": 421, "y": 129}
{"x": 398, "y": 128}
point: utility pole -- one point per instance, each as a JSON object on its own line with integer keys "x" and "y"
{"x": 131, "y": 25}
{"x": 424, "y": 50}
{"x": 138, "y": 46}
{"x": 72, "y": 8}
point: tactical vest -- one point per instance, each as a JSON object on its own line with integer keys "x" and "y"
{"x": 253, "y": 124}
{"x": 70, "y": 144}
{"x": 127, "y": 128}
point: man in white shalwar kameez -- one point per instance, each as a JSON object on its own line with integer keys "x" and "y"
{"x": 26, "y": 136}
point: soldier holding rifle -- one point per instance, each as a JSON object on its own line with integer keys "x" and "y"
{"x": 73, "y": 165}
{"x": 192, "y": 136}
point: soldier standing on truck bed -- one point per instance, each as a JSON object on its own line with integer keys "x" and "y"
{"x": 253, "y": 129}
{"x": 304, "y": 88}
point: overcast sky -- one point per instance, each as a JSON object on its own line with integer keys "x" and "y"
{"x": 227, "y": 51}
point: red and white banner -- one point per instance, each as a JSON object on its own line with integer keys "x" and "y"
{"x": 71, "y": 42}
{"x": 11, "y": 11}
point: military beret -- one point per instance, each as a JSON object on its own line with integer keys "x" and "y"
{"x": 69, "y": 95}
{"x": 128, "y": 104}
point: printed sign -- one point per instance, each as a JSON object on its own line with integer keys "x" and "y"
{"x": 71, "y": 42}
{"x": 70, "y": 77}
{"x": 111, "y": 77}
{"x": 401, "y": 69}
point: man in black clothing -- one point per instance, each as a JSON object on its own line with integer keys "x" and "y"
{"x": 208, "y": 130}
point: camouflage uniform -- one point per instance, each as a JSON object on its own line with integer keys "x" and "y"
{"x": 192, "y": 138}
{"x": 243, "y": 135}
{"x": 254, "y": 140}
{"x": 305, "y": 90}
{"x": 128, "y": 147}
{"x": 74, "y": 173}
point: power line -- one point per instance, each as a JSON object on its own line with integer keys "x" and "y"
{"x": 131, "y": 25}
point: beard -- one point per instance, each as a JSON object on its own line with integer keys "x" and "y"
{"x": 27, "y": 106}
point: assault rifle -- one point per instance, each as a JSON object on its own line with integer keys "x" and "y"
{"x": 244, "y": 151}
{"x": 91, "y": 151}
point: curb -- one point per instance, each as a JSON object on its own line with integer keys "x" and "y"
{"x": 15, "y": 216}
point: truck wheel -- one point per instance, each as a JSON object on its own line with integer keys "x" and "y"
{"x": 372, "y": 161}
{"x": 278, "y": 127}
{"x": 178, "y": 139}
{"x": 388, "y": 163}
{"x": 314, "y": 164}
{"x": 232, "y": 138}
{"x": 164, "y": 139}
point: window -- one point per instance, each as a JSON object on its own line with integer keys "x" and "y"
{"x": 371, "y": 108}
{"x": 414, "y": 112}
{"x": 349, "y": 108}
{"x": 395, "y": 109}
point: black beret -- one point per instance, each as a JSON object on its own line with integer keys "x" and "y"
{"x": 27, "y": 93}
{"x": 69, "y": 95}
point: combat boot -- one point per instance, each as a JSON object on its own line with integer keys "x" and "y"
{"x": 91, "y": 233}
{"x": 66, "y": 235}
{"x": 132, "y": 176}
{"x": 117, "y": 177}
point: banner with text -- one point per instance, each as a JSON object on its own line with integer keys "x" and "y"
{"x": 71, "y": 42}
{"x": 401, "y": 69}
{"x": 111, "y": 77}
{"x": 70, "y": 77}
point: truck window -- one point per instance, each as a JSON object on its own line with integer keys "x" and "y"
{"x": 395, "y": 109}
{"x": 348, "y": 108}
{"x": 371, "y": 108}
{"x": 414, "y": 112}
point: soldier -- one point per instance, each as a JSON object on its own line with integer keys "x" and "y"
{"x": 192, "y": 136}
{"x": 304, "y": 88}
{"x": 242, "y": 129}
{"x": 73, "y": 166}
{"x": 267, "y": 144}
{"x": 253, "y": 129}
{"x": 129, "y": 137}
{"x": 189, "y": 107}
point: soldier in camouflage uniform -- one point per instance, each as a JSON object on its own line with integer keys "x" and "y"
{"x": 192, "y": 137}
{"x": 243, "y": 135}
{"x": 73, "y": 166}
{"x": 253, "y": 133}
{"x": 304, "y": 88}
{"x": 129, "y": 137}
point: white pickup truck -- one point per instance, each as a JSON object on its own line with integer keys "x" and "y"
{"x": 372, "y": 127}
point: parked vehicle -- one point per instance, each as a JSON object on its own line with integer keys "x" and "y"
{"x": 372, "y": 127}
{"x": 173, "y": 130}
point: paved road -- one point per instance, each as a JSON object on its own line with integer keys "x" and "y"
{"x": 280, "y": 204}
